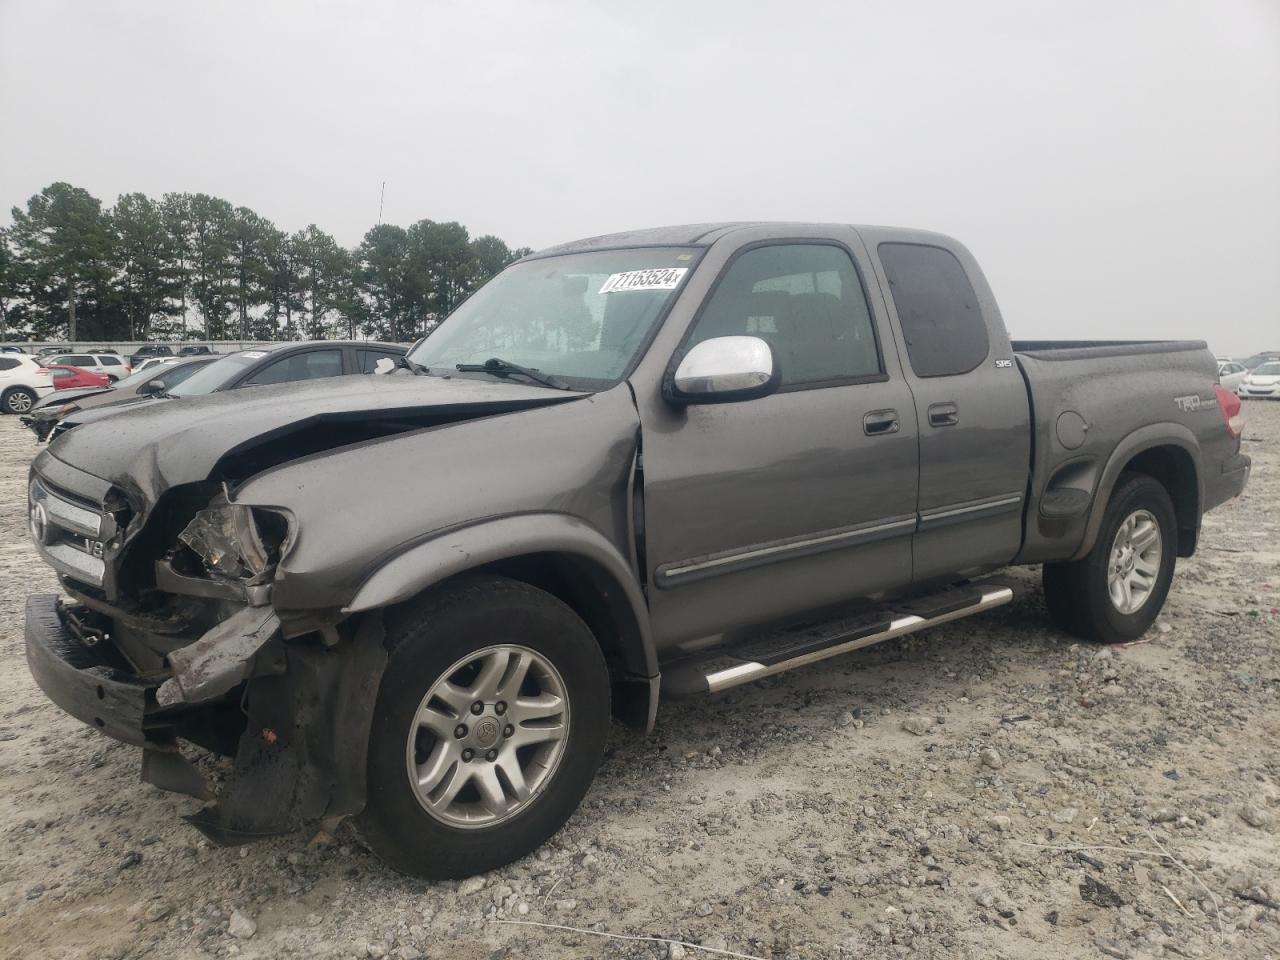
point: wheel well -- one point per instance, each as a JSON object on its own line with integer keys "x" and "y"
{"x": 1174, "y": 469}
{"x": 591, "y": 592}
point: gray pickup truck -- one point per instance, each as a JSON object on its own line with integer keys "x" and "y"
{"x": 650, "y": 464}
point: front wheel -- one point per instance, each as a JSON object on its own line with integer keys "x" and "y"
{"x": 18, "y": 400}
{"x": 489, "y": 725}
{"x": 1115, "y": 592}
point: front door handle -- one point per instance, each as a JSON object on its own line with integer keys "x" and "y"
{"x": 943, "y": 415}
{"x": 879, "y": 422}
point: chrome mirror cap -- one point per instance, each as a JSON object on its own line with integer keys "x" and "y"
{"x": 725, "y": 369}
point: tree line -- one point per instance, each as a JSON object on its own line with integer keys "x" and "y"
{"x": 192, "y": 266}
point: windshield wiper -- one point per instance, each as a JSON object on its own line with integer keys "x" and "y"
{"x": 404, "y": 363}
{"x": 504, "y": 368}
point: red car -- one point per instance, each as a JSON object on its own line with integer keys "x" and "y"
{"x": 65, "y": 377}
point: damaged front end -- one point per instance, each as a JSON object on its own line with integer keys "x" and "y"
{"x": 237, "y": 555}
{"x": 188, "y": 647}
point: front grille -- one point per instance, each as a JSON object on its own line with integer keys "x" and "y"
{"x": 69, "y": 535}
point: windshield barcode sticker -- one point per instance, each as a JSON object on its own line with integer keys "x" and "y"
{"x": 661, "y": 278}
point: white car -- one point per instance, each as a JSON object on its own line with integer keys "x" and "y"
{"x": 1231, "y": 375}
{"x": 110, "y": 365}
{"x": 1262, "y": 382}
{"x": 22, "y": 383}
{"x": 158, "y": 362}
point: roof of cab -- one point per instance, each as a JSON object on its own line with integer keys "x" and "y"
{"x": 705, "y": 234}
{"x": 307, "y": 344}
{"x": 687, "y": 234}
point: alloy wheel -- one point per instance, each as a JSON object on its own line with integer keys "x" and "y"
{"x": 1134, "y": 565}
{"x": 488, "y": 736}
{"x": 19, "y": 401}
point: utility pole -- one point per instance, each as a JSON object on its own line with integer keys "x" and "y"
{"x": 382, "y": 196}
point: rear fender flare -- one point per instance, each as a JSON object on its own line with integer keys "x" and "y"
{"x": 459, "y": 549}
{"x": 1142, "y": 439}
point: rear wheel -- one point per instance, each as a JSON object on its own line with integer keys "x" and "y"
{"x": 1117, "y": 590}
{"x": 489, "y": 726}
{"x": 18, "y": 400}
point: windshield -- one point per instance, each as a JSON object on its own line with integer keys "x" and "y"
{"x": 1267, "y": 370}
{"x": 1257, "y": 359}
{"x": 216, "y": 375}
{"x": 582, "y": 317}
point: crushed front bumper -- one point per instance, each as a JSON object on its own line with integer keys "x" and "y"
{"x": 300, "y": 751}
{"x": 85, "y": 681}
{"x": 41, "y": 422}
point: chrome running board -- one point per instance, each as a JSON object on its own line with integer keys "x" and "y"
{"x": 728, "y": 667}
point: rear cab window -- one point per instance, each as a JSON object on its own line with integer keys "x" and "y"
{"x": 938, "y": 311}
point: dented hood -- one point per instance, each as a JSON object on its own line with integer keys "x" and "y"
{"x": 148, "y": 446}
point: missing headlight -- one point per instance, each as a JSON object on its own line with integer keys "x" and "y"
{"x": 235, "y": 540}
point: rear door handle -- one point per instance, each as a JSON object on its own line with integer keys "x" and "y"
{"x": 943, "y": 414}
{"x": 879, "y": 422}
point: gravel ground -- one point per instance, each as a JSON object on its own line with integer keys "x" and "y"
{"x": 907, "y": 800}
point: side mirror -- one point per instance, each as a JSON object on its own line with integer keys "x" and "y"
{"x": 723, "y": 370}
{"x": 153, "y": 387}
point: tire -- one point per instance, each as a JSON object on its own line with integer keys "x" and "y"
{"x": 18, "y": 400}
{"x": 480, "y": 617}
{"x": 1079, "y": 594}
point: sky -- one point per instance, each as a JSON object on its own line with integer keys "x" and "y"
{"x": 1114, "y": 166}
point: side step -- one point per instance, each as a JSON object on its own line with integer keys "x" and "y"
{"x": 723, "y": 668}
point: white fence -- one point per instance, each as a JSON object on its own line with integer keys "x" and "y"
{"x": 128, "y": 347}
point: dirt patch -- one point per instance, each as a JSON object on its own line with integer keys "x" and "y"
{"x": 906, "y": 800}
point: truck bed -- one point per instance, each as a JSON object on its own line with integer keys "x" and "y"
{"x": 1096, "y": 349}
{"x": 1092, "y": 404}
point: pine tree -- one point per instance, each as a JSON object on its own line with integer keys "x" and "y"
{"x": 325, "y": 278}
{"x": 175, "y": 211}
{"x": 249, "y": 269}
{"x": 144, "y": 261}
{"x": 211, "y": 238}
{"x": 8, "y": 284}
{"x": 382, "y": 260}
{"x": 283, "y": 285}
{"x": 62, "y": 244}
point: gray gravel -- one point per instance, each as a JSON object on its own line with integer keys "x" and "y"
{"x": 885, "y": 804}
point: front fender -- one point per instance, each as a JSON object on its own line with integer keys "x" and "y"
{"x": 459, "y": 549}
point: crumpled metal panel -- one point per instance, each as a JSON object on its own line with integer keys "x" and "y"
{"x": 220, "y": 659}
